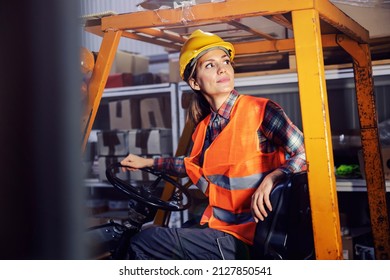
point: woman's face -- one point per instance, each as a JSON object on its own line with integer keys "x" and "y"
{"x": 214, "y": 74}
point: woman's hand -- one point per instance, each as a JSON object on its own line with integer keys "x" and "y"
{"x": 261, "y": 197}
{"x": 134, "y": 162}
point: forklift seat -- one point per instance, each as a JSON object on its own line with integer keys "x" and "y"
{"x": 287, "y": 231}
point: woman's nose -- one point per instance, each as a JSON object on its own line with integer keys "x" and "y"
{"x": 221, "y": 68}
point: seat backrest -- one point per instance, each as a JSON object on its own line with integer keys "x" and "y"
{"x": 287, "y": 231}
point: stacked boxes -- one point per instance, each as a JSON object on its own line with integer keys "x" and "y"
{"x": 137, "y": 126}
{"x": 151, "y": 113}
{"x": 112, "y": 143}
{"x": 145, "y": 113}
{"x": 150, "y": 141}
{"x": 115, "y": 145}
{"x": 124, "y": 114}
{"x": 112, "y": 148}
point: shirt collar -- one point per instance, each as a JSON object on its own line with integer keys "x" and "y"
{"x": 226, "y": 108}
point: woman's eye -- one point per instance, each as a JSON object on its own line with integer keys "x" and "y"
{"x": 227, "y": 62}
{"x": 209, "y": 65}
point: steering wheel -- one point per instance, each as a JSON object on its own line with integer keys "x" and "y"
{"x": 142, "y": 193}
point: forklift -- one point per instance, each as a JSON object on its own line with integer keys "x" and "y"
{"x": 313, "y": 27}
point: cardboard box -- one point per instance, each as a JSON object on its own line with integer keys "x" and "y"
{"x": 114, "y": 80}
{"x": 140, "y": 113}
{"x": 124, "y": 114}
{"x": 105, "y": 162}
{"x": 126, "y": 62}
{"x": 292, "y": 61}
{"x": 151, "y": 113}
{"x": 150, "y": 141}
{"x": 120, "y": 80}
{"x": 174, "y": 70}
{"x": 113, "y": 143}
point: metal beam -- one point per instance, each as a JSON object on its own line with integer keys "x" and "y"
{"x": 338, "y": 19}
{"x": 373, "y": 164}
{"x": 280, "y": 45}
{"x": 353, "y": 48}
{"x": 317, "y": 134}
{"x": 207, "y": 12}
{"x": 151, "y": 40}
{"x": 99, "y": 77}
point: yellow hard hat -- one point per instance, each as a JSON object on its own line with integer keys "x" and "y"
{"x": 197, "y": 44}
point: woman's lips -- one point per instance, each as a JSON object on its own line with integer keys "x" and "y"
{"x": 224, "y": 80}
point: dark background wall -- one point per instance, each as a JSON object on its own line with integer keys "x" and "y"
{"x": 40, "y": 146}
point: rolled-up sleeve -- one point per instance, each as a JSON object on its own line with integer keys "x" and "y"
{"x": 171, "y": 165}
{"x": 280, "y": 130}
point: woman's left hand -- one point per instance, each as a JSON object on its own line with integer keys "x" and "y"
{"x": 261, "y": 198}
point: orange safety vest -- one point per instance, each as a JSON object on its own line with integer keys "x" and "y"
{"x": 233, "y": 168}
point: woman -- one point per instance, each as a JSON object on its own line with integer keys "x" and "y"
{"x": 242, "y": 146}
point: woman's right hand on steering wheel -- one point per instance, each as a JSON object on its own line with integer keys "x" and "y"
{"x": 134, "y": 162}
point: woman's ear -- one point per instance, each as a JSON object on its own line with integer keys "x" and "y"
{"x": 193, "y": 84}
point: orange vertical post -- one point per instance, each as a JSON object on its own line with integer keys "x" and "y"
{"x": 99, "y": 77}
{"x": 374, "y": 175}
{"x": 317, "y": 134}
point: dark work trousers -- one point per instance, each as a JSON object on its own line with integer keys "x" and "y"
{"x": 161, "y": 243}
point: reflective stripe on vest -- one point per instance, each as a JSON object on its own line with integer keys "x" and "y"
{"x": 231, "y": 218}
{"x": 246, "y": 182}
{"x": 233, "y": 168}
{"x": 202, "y": 184}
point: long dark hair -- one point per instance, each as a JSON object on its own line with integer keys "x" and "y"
{"x": 199, "y": 107}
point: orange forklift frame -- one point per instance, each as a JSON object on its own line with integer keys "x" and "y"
{"x": 315, "y": 25}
